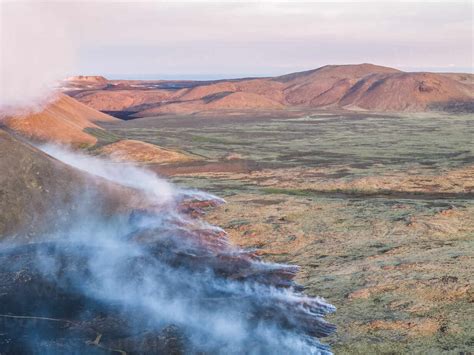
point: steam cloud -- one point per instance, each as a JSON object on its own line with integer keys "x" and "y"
{"x": 153, "y": 269}
{"x": 36, "y": 51}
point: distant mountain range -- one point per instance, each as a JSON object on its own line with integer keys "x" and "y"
{"x": 352, "y": 87}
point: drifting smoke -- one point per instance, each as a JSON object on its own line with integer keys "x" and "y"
{"x": 36, "y": 51}
{"x": 150, "y": 270}
{"x": 123, "y": 174}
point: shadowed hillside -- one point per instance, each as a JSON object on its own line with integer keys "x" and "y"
{"x": 38, "y": 192}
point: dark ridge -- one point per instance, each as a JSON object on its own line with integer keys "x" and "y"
{"x": 382, "y": 194}
{"x": 376, "y": 84}
{"x": 123, "y": 115}
{"x": 235, "y": 166}
{"x": 454, "y": 106}
{"x": 219, "y": 95}
{"x": 353, "y": 89}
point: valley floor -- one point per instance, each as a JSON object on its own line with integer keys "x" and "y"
{"x": 377, "y": 210}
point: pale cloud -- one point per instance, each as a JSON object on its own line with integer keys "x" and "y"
{"x": 35, "y": 51}
{"x": 228, "y": 37}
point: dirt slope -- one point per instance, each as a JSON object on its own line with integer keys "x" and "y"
{"x": 217, "y": 102}
{"x": 125, "y": 99}
{"x": 326, "y": 84}
{"x": 31, "y": 182}
{"x": 405, "y": 92}
{"x": 66, "y": 121}
{"x": 61, "y": 121}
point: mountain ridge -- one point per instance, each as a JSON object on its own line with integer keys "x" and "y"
{"x": 352, "y": 87}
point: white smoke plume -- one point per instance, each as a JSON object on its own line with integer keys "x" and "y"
{"x": 156, "y": 269}
{"x": 123, "y": 174}
{"x": 36, "y": 50}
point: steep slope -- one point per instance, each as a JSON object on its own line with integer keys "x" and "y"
{"x": 327, "y": 84}
{"x": 37, "y": 191}
{"x": 62, "y": 121}
{"x": 463, "y": 78}
{"x": 405, "y": 92}
{"x": 124, "y": 100}
{"x": 217, "y": 102}
{"x": 201, "y": 91}
{"x": 66, "y": 121}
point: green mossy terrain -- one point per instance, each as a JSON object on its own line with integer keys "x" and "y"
{"x": 397, "y": 264}
{"x": 360, "y": 144}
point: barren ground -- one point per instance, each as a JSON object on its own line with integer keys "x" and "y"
{"x": 377, "y": 210}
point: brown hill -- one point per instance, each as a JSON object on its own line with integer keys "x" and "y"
{"x": 124, "y": 100}
{"x": 37, "y": 191}
{"x": 66, "y": 120}
{"x": 355, "y": 87}
{"x": 217, "y": 102}
{"x": 405, "y": 92}
{"x": 202, "y": 91}
{"x": 61, "y": 121}
{"x": 326, "y": 85}
{"x": 376, "y": 88}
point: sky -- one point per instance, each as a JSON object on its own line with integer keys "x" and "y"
{"x": 157, "y": 39}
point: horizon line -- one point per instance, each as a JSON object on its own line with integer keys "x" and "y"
{"x": 245, "y": 75}
{"x": 248, "y": 75}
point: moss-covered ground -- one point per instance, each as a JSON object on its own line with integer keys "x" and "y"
{"x": 377, "y": 210}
